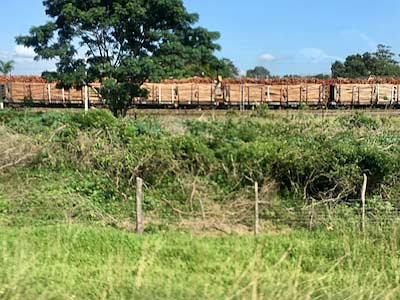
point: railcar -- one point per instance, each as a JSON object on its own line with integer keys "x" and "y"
{"x": 191, "y": 94}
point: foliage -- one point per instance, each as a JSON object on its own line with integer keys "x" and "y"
{"x": 71, "y": 207}
{"x": 262, "y": 111}
{"x": 6, "y": 67}
{"x": 321, "y": 76}
{"x": 98, "y": 157}
{"x": 258, "y": 72}
{"x": 380, "y": 63}
{"x": 125, "y": 42}
{"x": 228, "y": 69}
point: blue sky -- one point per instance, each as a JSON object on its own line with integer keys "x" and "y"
{"x": 286, "y": 36}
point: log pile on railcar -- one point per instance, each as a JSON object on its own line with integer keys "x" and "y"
{"x": 197, "y": 92}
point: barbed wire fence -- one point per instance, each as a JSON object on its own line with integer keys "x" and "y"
{"x": 329, "y": 214}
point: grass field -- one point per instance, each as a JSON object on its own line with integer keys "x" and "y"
{"x": 86, "y": 262}
{"x": 67, "y": 206}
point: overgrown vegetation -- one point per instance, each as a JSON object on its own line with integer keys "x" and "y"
{"x": 90, "y": 161}
{"x": 67, "y": 178}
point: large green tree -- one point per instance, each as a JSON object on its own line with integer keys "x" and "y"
{"x": 258, "y": 72}
{"x": 380, "y": 63}
{"x": 210, "y": 67}
{"x": 124, "y": 42}
{"x": 228, "y": 69}
{"x": 6, "y": 67}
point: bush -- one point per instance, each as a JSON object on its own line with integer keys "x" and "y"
{"x": 304, "y": 157}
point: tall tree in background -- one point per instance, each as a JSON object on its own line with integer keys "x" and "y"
{"x": 209, "y": 68}
{"x": 6, "y": 67}
{"x": 380, "y": 63}
{"x": 227, "y": 69}
{"x": 259, "y": 73}
{"x": 125, "y": 42}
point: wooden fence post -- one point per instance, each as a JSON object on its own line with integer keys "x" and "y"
{"x": 363, "y": 192}
{"x": 203, "y": 214}
{"x": 312, "y": 214}
{"x": 256, "y": 219}
{"x": 139, "y": 200}
{"x": 192, "y": 194}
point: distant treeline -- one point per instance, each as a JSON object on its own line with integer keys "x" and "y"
{"x": 382, "y": 63}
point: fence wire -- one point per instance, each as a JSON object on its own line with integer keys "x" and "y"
{"x": 330, "y": 214}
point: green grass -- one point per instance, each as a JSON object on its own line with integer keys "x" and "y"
{"x": 67, "y": 210}
{"x": 84, "y": 262}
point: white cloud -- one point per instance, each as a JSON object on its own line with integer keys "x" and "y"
{"x": 25, "y": 52}
{"x": 266, "y": 57}
{"x": 20, "y": 55}
{"x": 24, "y": 61}
{"x": 316, "y": 56}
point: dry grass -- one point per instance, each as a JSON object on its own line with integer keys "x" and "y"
{"x": 15, "y": 149}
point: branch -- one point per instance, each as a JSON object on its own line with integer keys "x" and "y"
{"x": 16, "y": 162}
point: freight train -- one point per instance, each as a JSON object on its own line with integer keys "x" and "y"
{"x": 243, "y": 93}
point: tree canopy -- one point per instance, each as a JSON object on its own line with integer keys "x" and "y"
{"x": 227, "y": 69}
{"x": 122, "y": 43}
{"x": 380, "y": 63}
{"x": 6, "y": 67}
{"x": 258, "y": 72}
